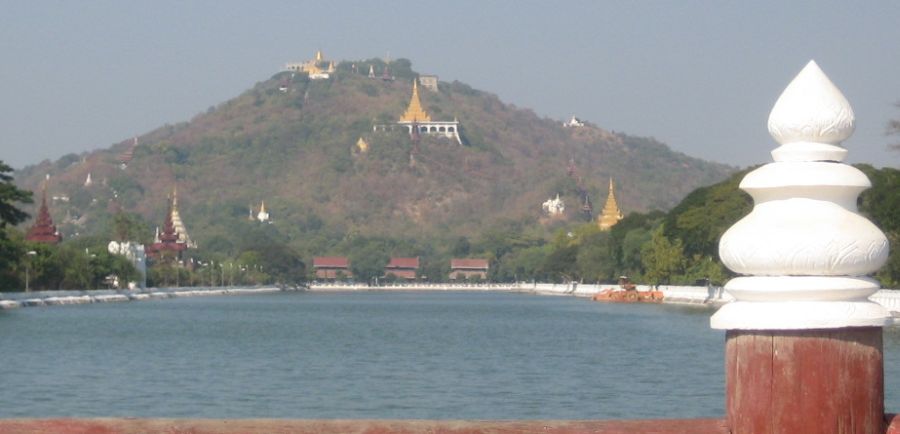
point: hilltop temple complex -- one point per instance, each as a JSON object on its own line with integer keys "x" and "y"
{"x": 611, "y": 213}
{"x": 318, "y": 68}
{"x": 43, "y": 230}
{"x": 417, "y": 121}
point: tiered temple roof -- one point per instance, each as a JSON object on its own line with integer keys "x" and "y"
{"x": 43, "y": 230}
{"x": 417, "y": 121}
{"x": 168, "y": 240}
{"x": 415, "y": 112}
{"x": 175, "y": 216}
{"x": 611, "y": 213}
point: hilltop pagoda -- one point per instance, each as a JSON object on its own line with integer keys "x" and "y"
{"x": 417, "y": 121}
{"x": 317, "y": 68}
{"x": 43, "y": 230}
{"x": 611, "y": 213}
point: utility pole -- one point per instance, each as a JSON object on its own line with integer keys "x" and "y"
{"x": 28, "y": 256}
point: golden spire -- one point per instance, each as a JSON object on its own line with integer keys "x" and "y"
{"x": 319, "y": 56}
{"x": 611, "y": 213}
{"x": 415, "y": 113}
{"x": 177, "y": 222}
{"x": 262, "y": 207}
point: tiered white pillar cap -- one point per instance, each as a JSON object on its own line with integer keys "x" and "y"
{"x": 804, "y": 250}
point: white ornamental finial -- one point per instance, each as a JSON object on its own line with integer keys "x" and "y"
{"x": 804, "y": 250}
{"x": 811, "y": 118}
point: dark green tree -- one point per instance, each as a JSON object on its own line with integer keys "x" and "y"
{"x": 705, "y": 214}
{"x": 881, "y": 204}
{"x": 11, "y": 250}
{"x": 367, "y": 262}
{"x": 9, "y": 196}
{"x": 130, "y": 227}
{"x": 663, "y": 259}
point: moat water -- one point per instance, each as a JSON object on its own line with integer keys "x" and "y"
{"x": 369, "y": 355}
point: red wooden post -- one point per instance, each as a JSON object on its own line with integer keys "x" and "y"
{"x": 807, "y": 381}
{"x": 803, "y": 350}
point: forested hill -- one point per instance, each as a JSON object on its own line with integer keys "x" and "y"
{"x": 291, "y": 142}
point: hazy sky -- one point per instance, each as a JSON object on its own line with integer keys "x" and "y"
{"x": 699, "y": 76}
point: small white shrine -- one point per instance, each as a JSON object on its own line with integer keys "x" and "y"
{"x": 554, "y": 207}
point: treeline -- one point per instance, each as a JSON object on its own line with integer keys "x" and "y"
{"x": 678, "y": 247}
{"x": 78, "y": 264}
{"x": 681, "y": 246}
{"x": 84, "y": 262}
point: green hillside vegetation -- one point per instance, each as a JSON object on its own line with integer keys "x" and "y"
{"x": 678, "y": 247}
{"x": 681, "y": 246}
{"x": 295, "y": 150}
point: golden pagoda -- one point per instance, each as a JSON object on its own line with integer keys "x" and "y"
{"x": 415, "y": 112}
{"x": 175, "y": 216}
{"x": 362, "y": 146}
{"x": 317, "y": 68}
{"x": 611, "y": 213}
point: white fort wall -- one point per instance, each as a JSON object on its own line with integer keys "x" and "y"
{"x": 12, "y": 300}
{"x": 696, "y": 295}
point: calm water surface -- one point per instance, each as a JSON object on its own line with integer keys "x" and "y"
{"x": 369, "y": 355}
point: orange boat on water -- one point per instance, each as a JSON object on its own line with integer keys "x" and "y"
{"x": 627, "y": 293}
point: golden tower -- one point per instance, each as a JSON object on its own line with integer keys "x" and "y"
{"x": 611, "y": 213}
{"x": 415, "y": 112}
{"x": 178, "y": 223}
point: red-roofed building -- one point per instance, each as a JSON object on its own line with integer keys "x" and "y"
{"x": 166, "y": 246}
{"x": 43, "y": 230}
{"x": 468, "y": 268}
{"x": 328, "y": 267}
{"x": 404, "y": 268}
